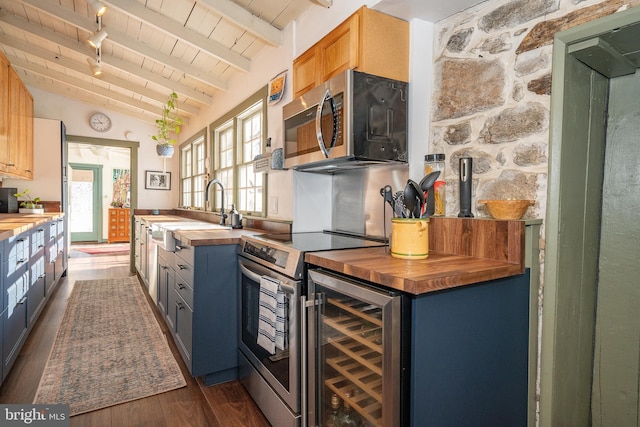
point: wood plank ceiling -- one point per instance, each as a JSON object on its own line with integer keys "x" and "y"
{"x": 153, "y": 47}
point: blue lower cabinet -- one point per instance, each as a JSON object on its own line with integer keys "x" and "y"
{"x": 15, "y": 317}
{"x": 37, "y": 288}
{"x": 202, "y": 309}
{"x": 469, "y": 362}
{"x": 27, "y": 277}
{"x": 2, "y": 370}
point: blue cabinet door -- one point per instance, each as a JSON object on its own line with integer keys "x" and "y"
{"x": 469, "y": 362}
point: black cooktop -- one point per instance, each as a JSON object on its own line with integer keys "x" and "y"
{"x": 320, "y": 241}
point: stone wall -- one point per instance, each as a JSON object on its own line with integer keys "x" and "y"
{"x": 491, "y": 94}
{"x": 491, "y": 97}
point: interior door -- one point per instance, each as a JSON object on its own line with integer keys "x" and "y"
{"x": 85, "y": 203}
{"x": 616, "y": 358}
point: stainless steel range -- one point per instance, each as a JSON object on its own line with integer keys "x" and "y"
{"x": 271, "y": 370}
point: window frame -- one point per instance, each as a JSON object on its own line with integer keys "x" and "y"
{"x": 232, "y": 120}
{"x": 191, "y": 143}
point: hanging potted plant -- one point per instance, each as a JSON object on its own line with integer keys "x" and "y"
{"x": 29, "y": 204}
{"x": 168, "y": 127}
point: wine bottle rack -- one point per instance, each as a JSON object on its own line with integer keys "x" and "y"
{"x": 354, "y": 329}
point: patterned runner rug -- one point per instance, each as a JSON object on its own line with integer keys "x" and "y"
{"x": 109, "y": 349}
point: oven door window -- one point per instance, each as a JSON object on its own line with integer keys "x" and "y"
{"x": 277, "y": 364}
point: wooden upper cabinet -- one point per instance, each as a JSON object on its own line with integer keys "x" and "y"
{"x": 16, "y": 154}
{"x": 4, "y": 113}
{"x": 367, "y": 41}
{"x": 305, "y": 69}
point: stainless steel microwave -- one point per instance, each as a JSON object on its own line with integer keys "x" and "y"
{"x": 352, "y": 120}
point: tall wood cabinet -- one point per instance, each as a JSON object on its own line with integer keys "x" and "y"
{"x": 119, "y": 225}
{"x": 367, "y": 41}
{"x": 16, "y": 124}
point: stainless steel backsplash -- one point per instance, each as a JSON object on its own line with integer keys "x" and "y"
{"x": 357, "y": 206}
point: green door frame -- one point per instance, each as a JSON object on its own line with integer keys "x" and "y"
{"x": 96, "y": 234}
{"x": 572, "y": 226}
{"x": 133, "y": 147}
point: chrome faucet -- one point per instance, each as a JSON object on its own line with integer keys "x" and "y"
{"x": 206, "y": 198}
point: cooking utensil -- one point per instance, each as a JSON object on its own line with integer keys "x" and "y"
{"x": 385, "y": 192}
{"x": 413, "y": 199}
{"x": 398, "y": 201}
{"x": 427, "y": 182}
{"x": 426, "y": 185}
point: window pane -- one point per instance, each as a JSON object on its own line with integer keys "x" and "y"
{"x": 235, "y": 144}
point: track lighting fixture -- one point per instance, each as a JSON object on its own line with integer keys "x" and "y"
{"x": 96, "y": 66}
{"x": 98, "y": 6}
{"x": 96, "y": 39}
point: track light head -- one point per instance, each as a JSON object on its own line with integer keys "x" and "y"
{"x": 96, "y": 67}
{"x": 98, "y": 6}
{"x": 96, "y": 39}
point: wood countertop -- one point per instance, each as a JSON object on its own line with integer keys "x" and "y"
{"x": 462, "y": 251}
{"x": 201, "y": 237}
{"x": 12, "y": 224}
{"x": 214, "y": 237}
{"x": 437, "y": 272}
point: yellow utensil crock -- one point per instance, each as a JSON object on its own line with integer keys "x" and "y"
{"x": 410, "y": 238}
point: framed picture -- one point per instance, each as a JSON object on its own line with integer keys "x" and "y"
{"x": 156, "y": 180}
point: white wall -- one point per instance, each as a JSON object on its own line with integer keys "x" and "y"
{"x": 75, "y": 116}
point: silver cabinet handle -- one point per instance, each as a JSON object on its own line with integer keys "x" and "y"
{"x": 179, "y": 305}
{"x": 179, "y": 248}
{"x": 22, "y": 300}
{"x": 182, "y": 267}
{"x": 180, "y": 286}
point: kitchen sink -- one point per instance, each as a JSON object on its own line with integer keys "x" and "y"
{"x": 163, "y": 232}
{"x": 191, "y": 225}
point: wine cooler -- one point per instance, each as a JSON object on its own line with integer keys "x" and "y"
{"x": 356, "y": 367}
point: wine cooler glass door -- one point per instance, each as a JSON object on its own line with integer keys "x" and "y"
{"x": 355, "y": 356}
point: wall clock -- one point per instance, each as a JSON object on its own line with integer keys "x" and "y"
{"x": 100, "y": 122}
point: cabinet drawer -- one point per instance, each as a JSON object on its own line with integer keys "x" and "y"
{"x": 185, "y": 252}
{"x": 184, "y": 330}
{"x": 185, "y": 271}
{"x": 184, "y": 290}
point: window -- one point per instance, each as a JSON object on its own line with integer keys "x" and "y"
{"x": 237, "y": 138}
{"x": 193, "y": 171}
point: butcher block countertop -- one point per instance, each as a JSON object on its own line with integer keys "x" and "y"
{"x": 12, "y": 224}
{"x": 201, "y": 237}
{"x": 462, "y": 251}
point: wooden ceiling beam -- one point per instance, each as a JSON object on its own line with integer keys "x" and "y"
{"x": 108, "y": 60}
{"x": 82, "y": 96}
{"x": 169, "y": 26}
{"x": 89, "y": 25}
{"x": 84, "y": 85}
{"x": 246, "y": 20}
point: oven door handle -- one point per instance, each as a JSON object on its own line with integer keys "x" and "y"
{"x": 287, "y": 289}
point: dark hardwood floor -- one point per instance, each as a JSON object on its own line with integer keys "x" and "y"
{"x": 197, "y": 405}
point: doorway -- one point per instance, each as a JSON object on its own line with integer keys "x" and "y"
{"x": 591, "y": 331}
{"x": 85, "y": 191}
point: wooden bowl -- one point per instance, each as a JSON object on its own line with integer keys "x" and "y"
{"x": 507, "y": 209}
